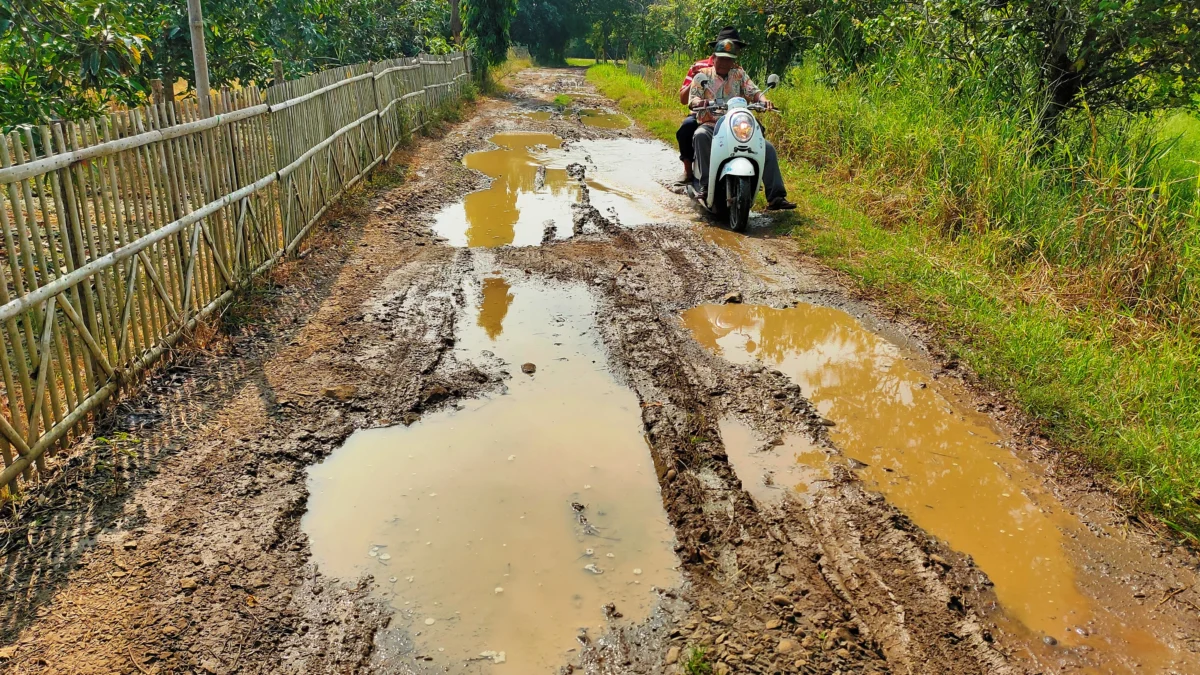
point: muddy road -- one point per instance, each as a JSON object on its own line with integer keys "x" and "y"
{"x": 525, "y": 411}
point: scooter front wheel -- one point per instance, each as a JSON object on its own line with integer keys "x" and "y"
{"x": 741, "y": 197}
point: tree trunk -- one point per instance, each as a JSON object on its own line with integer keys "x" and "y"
{"x": 455, "y": 22}
{"x": 1062, "y": 79}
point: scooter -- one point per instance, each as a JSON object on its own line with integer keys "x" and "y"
{"x": 736, "y": 160}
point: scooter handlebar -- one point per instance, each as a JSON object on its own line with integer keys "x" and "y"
{"x": 721, "y": 110}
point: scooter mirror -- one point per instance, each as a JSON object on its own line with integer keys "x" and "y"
{"x": 772, "y": 81}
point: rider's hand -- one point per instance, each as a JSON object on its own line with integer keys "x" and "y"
{"x": 769, "y": 105}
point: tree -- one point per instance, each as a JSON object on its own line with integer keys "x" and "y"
{"x": 1129, "y": 54}
{"x": 488, "y": 22}
{"x": 64, "y": 59}
{"x": 547, "y": 26}
{"x": 67, "y": 59}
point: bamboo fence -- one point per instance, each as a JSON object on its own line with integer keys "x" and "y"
{"x": 122, "y": 232}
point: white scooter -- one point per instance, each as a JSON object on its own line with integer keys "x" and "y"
{"x": 736, "y": 160}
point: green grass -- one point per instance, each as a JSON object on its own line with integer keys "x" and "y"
{"x": 697, "y": 662}
{"x": 1072, "y": 289}
{"x": 581, "y": 62}
{"x": 562, "y": 101}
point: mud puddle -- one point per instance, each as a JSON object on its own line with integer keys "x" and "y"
{"x": 941, "y": 465}
{"x": 532, "y": 189}
{"x": 601, "y": 119}
{"x": 499, "y": 530}
{"x": 772, "y": 468}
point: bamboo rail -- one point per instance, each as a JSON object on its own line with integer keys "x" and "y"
{"x": 121, "y": 233}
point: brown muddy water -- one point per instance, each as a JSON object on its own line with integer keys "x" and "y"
{"x": 531, "y": 188}
{"x": 942, "y": 465}
{"x": 505, "y": 526}
{"x": 539, "y": 115}
{"x": 603, "y": 120}
{"x": 771, "y": 468}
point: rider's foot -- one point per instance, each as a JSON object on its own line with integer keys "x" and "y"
{"x": 684, "y": 180}
{"x": 781, "y": 204}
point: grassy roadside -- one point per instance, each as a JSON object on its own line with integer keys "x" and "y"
{"x": 1117, "y": 386}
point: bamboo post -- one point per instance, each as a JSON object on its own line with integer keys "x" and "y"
{"x": 199, "y": 56}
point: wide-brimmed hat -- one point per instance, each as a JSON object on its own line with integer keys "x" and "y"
{"x": 728, "y": 43}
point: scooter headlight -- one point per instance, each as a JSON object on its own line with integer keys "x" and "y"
{"x": 742, "y": 126}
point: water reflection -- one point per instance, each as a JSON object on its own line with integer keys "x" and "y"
{"x": 467, "y": 518}
{"x": 493, "y": 305}
{"x": 940, "y": 466}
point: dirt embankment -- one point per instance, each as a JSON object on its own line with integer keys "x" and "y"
{"x": 184, "y": 553}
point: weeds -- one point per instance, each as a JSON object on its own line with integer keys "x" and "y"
{"x": 562, "y": 102}
{"x": 1067, "y": 272}
{"x": 493, "y": 83}
{"x": 697, "y": 662}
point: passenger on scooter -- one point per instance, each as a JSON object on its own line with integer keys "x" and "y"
{"x": 720, "y": 82}
{"x": 688, "y": 128}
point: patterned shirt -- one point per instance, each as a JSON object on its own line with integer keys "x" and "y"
{"x": 736, "y": 83}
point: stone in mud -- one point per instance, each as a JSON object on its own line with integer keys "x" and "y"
{"x": 785, "y": 646}
{"x": 496, "y": 657}
{"x": 340, "y": 392}
{"x": 671, "y": 474}
{"x": 584, "y": 214}
{"x": 529, "y": 368}
{"x": 435, "y": 394}
{"x": 732, "y": 298}
{"x": 549, "y": 231}
{"x": 672, "y": 655}
{"x": 781, "y": 600}
{"x": 188, "y": 583}
{"x": 827, "y": 422}
{"x": 772, "y": 624}
{"x": 576, "y": 171}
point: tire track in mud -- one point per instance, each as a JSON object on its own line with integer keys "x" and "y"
{"x": 732, "y": 549}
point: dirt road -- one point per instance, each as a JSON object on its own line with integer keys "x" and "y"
{"x": 561, "y": 424}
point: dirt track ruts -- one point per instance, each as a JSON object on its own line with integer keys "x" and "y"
{"x": 184, "y": 554}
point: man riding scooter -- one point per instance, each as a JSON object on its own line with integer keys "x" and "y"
{"x": 722, "y": 81}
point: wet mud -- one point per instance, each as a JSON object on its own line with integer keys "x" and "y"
{"x": 538, "y": 186}
{"x": 943, "y": 466}
{"x": 602, "y": 119}
{"x": 504, "y": 526}
{"x": 272, "y": 526}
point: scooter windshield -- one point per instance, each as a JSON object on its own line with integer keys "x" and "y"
{"x": 736, "y": 102}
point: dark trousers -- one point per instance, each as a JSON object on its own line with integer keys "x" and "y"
{"x": 684, "y": 136}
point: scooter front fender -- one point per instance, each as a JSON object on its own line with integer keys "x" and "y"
{"x": 738, "y": 166}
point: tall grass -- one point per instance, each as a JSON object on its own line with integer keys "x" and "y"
{"x": 1065, "y": 270}
{"x": 1109, "y": 206}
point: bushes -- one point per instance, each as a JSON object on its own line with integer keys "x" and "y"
{"x": 1109, "y": 203}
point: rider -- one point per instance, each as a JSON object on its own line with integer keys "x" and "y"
{"x": 722, "y": 81}
{"x": 688, "y": 128}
